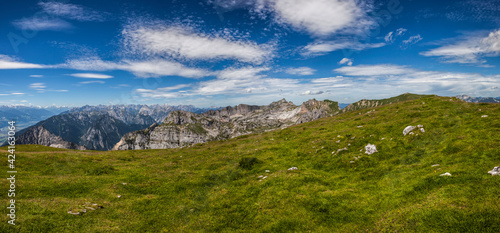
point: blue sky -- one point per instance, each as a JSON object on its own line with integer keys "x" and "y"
{"x": 227, "y": 52}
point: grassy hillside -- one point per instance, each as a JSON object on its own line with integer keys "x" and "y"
{"x": 217, "y": 186}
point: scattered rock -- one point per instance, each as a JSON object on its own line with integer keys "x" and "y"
{"x": 268, "y": 171}
{"x": 484, "y": 116}
{"x": 360, "y": 126}
{"x": 82, "y": 209}
{"x": 338, "y": 141}
{"x": 370, "y": 149}
{"x": 339, "y": 150}
{"x": 124, "y": 183}
{"x": 435, "y": 165}
{"x": 445, "y": 174}
{"x": 408, "y": 129}
{"x": 291, "y": 169}
{"x": 422, "y": 130}
{"x": 351, "y": 161}
{"x": 119, "y": 196}
{"x": 420, "y": 126}
{"x": 495, "y": 171}
{"x": 260, "y": 176}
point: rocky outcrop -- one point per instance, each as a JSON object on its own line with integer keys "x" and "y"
{"x": 364, "y": 103}
{"x": 182, "y": 128}
{"x": 40, "y": 135}
{"x": 312, "y": 110}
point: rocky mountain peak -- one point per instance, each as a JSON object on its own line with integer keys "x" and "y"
{"x": 180, "y": 117}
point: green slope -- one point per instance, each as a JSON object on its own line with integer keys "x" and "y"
{"x": 204, "y": 189}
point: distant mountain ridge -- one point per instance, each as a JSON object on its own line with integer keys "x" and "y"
{"x": 124, "y": 127}
{"x": 183, "y": 128}
{"x": 96, "y": 127}
{"x": 479, "y": 99}
{"x": 24, "y": 116}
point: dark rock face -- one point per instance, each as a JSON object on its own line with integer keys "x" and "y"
{"x": 182, "y": 128}
{"x": 40, "y": 135}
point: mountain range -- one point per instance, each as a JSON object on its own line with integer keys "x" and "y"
{"x": 95, "y": 127}
{"x": 479, "y": 99}
{"x": 25, "y": 116}
{"x": 132, "y": 127}
{"x": 182, "y": 128}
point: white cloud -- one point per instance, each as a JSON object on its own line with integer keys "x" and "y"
{"x": 388, "y": 78}
{"x": 36, "y": 76}
{"x": 301, "y": 71}
{"x": 323, "y": 17}
{"x": 72, "y": 11}
{"x": 164, "y": 92}
{"x": 91, "y": 75}
{"x": 235, "y": 81}
{"x": 38, "y": 86}
{"x": 120, "y": 86}
{"x": 324, "y": 47}
{"x": 469, "y": 49}
{"x": 42, "y": 24}
{"x": 9, "y": 94}
{"x": 184, "y": 43}
{"x": 42, "y": 87}
{"x": 401, "y": 31}
{"x": 143, "y": 69}
{"x": 242, "y": 73}
{"x": 389, "y": 38}
{"x": 346, "y": 61}
{"x": 367, "y": 81}
{"x": 91, "y": 82}
{"x": 157, "y": 68}
{"x": 411, "y": 41}
{"x": 373, "y": 70}
{"x": 313, "y": 92}
{"x": 7, "y": 62}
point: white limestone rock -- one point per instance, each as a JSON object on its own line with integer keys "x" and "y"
{"x": 370, "y": 149}
{"x": 495, "y": 171}
{"x": 408, "y": 129}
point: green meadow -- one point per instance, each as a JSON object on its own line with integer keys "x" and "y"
{"x": 244, "y": 184}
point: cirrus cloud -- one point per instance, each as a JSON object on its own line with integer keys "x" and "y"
{"x": 468, "y": 49}
{"x": 181, "y": 42}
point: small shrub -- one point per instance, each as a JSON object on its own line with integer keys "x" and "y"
{"x": 248, "y": 163}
